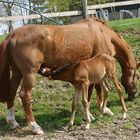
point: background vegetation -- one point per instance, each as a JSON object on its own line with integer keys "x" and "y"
{"x": 28, "y": 7}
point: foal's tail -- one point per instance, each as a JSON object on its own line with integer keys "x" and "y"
{"x": 4, "y": 71}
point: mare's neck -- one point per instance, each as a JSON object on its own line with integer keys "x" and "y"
{"x": 123, "y": 54}
{"x": 126, "y": 59}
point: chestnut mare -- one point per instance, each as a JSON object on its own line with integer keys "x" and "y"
{"x": 83, "y": 74}
{"x": 26, "y": 48}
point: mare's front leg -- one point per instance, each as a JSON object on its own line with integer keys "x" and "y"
{"x": 74, "y": 106}
{"x": 121, "y": 95}
{"x": 10, "y": 118}
{"x": 26, "y": 93}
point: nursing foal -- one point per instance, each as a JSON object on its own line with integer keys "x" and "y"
{"x": 82, "y": 75}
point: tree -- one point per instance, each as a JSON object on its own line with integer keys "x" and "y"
{"x": 57, "y": 5}
{"x": 8, "y": 10}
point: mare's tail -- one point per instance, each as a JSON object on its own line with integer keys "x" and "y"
{"x": 4, "y": 72}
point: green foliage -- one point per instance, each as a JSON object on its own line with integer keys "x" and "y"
{"x": 65, "y": 5}
{"x": 98, "y": 1}
{"x": 58, "y": 5}
{"x": 75, "y": 4}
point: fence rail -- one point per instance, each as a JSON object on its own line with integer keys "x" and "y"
{"x": 113, "y": 4}
{"x": 36, "y": 16}
{"x": 91, "y": 10}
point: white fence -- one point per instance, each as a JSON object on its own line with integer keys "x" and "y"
{"x": 91, "y": 10}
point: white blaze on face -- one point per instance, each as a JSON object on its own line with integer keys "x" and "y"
{"x": 10, "y": 118}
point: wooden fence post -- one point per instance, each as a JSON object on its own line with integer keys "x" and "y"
{"x": 84, "y": 9}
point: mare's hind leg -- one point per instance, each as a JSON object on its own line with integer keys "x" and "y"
{"x": 14, "y": 83}
{"x": 26, "y": 93}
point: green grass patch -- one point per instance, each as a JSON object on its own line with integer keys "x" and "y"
{"x": 125, "y": 24}
{"x": 128, "y": 125}
{"x": 2, "y": 37}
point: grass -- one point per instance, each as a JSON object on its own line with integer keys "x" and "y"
{"x": 128, "y": 125}
{"x": 52, "y": 99}
{"x": 2, "y": 37}
{"x": 122, "y": 25}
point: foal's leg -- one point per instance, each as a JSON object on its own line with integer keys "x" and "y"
{"x": 99, "y": 96}
{"x": 26, "y": 93}
{"x": 14, "y": 83}
{"x": 105, "y": 110}
{"x": 85, "y": 102}
{"x": 90, "y": 90}
{"x": 74, "y": 106}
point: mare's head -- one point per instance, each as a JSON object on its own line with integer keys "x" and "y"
{"x": 129, "y": 81}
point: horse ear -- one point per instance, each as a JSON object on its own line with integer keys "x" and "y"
{"x": 138, "y": 65}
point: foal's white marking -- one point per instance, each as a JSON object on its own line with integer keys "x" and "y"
{"x": 107, "y": 111}
{"x": 44, "y": 70}
{"x": 36, "y": 128}
{"x": 10, "y": 118}
{"x": 124, "y": 115}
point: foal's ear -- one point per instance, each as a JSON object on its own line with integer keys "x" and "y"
{"x": 138, "y": 65}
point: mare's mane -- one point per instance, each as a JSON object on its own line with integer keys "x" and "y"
{"x": 94, "y": 19}
{"x": 122, "y": 40}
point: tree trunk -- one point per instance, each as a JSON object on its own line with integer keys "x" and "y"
{"x": 8, "y": 8}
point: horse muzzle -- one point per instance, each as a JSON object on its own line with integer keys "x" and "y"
{"x": 132, "y": 95}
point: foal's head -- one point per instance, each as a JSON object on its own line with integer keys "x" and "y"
{"x": 129, "y": 81}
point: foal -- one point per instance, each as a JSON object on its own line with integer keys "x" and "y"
{"x": 82, "y": 75}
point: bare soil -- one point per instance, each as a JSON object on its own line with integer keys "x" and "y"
{"x": 117, "y": 130}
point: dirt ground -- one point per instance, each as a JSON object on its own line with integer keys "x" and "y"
{"x": 111, "y": 131}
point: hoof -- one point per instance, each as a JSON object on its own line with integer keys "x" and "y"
{"x": 68, "y": 126}
{"x": 38, "y": 131}
{"x": 14, "y": 126}
{"x": 91, "y": 117}
{"x": 124, "y": 115}
{"x": 108, "y": 112}
{"x": 87, "y": 126}
{"x": 65, "y": 128}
